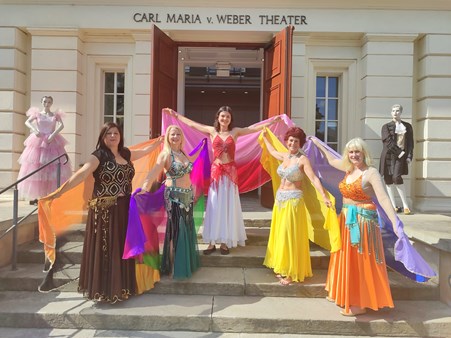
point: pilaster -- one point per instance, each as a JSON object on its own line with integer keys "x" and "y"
{"x": 14, "y": 98}
{"x": 433, "y": 122}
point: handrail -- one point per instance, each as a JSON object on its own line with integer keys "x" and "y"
{"x": 16, "y": 204}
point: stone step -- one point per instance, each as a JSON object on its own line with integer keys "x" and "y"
{"x": 89, "y": 333}
{"x": 220, "y": 314}
{"x": 248, "y": 256}
{"x": 256, "y": 228}
{"x": 224, "y": 281}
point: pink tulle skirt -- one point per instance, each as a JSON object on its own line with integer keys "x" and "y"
{"x": 37, "y": 153}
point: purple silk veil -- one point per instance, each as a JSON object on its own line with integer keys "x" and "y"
{"x": 147, "y": 215}
{"x": 399, "y": 252}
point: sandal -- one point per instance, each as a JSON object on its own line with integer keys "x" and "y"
{"x": 224, "y": 250}
{"x": 286, "y": 281}
{"x": 209, "y": 251}
{"x": 358, "y": 311}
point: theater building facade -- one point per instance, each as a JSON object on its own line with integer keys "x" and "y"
{"x": 335, "y": 67}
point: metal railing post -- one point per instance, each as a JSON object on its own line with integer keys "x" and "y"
{"x": 15, "y": 219}
{"x": 58, "y": 174}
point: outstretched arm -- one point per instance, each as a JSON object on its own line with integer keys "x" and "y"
{"x": 276, "y": 154}
{"x": 315, "y": 180}
{"x": 375, "y": 180}
{"x": 155, "y": 172}
{"x": 254, "y": 129}
{"x": 193, "y": 124}
{"x": 194, "y": 156}
{"x": 334, "y": 162}
{"x": 79, "y": 176}
{"x": 137, "y": 154}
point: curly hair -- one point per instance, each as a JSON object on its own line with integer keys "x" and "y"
{"x": 296, "y": 132}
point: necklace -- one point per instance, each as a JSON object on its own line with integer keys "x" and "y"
{"x": 178, "y": 153}
{"x": 298, "y": 154}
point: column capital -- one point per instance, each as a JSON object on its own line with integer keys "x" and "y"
{"x": 389, "y": 38}
{"x": 75, "y": 32}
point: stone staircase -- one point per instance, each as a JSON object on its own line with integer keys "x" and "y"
{"x": 228, "y": 294}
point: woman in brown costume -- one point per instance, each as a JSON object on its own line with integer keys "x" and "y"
{"x": 104, "y": 275}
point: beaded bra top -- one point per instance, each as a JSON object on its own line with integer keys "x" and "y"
{"x": 291, "y": 173}
{"x": 178, "y": 169}
{"x": 353, "y": 190}
{"x": 221, "y": 146}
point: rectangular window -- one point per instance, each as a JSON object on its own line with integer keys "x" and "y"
{"x": 113, "y": 98}
{"x": 326, "y": 112}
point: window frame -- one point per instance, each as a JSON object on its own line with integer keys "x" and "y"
{"x": 346, "y": 71}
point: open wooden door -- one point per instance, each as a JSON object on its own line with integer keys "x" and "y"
{"x": 163, "y": 78}
{"x": 277, "y": 87}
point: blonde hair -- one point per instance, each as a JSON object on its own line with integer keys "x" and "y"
{"x": 167, "y": 146}
{"x": 356, "y": 144}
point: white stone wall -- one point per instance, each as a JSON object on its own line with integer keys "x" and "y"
{"x": 14, "y": 86}
{"x": 433, "y": 123}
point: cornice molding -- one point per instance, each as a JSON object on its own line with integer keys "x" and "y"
{"x": 389, "y": 38}
{"x": 302, "y": 4}
{"x": 52, "y": 31}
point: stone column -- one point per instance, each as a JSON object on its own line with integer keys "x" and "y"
{"x": 433, "y": 123}
{"x": 14, "y": 100}
{"x": 141, "y": 88}
{"x": 299, "y": 106}
{"x": 57, "y": 69}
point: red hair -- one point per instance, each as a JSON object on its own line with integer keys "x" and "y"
{"x": 296, "y": 132}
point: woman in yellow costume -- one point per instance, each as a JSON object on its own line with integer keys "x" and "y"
{"x": 288, "y": 251}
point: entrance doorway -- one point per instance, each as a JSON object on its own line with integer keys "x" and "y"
{"x": 273, "y": 59}
{"x": 215, "y": 77}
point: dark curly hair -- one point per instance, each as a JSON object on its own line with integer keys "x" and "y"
{"x": 220, "y": 110}
{"x": 298, "y": 133}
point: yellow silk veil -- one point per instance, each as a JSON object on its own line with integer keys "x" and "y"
{"x": 323, "y": 228}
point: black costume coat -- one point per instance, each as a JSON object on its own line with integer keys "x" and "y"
{"x": 391, "y": 151}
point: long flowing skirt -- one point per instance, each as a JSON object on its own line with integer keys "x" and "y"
{"x": 223, "y": 216}
{"x": 180, "y": 242}
{"x": 288, "y": 251}
{"x": 357, "y": 275}
{"x": 104, "y": 275}
{"x": 38, "y": 152}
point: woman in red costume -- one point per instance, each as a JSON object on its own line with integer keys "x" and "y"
{"x": 223, "y": 217}
{"x": 357, "y": 277}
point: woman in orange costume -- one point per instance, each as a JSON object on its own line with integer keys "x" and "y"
{"x": 357, "y": 278}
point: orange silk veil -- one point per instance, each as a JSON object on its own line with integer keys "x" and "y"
{"x": 56, "y": 216}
